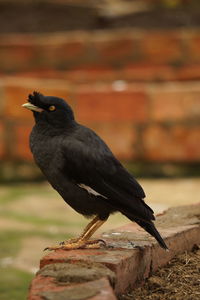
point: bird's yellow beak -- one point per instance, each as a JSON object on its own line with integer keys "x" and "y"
{"x": 32, "y": 107}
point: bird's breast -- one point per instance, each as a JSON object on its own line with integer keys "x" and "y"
{"x": 46, "y": 152}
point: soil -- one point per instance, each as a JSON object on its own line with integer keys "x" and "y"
{"x": 48, "y": 16}
{"x": 177, "y": 281}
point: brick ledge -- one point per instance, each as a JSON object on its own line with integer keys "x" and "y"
{"x": 63, "y": 273}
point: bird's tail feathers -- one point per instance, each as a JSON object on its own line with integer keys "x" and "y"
{"x": 151, "y": 229}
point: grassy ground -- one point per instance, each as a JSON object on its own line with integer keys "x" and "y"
{"x": 33, "y": 217}
{"x": 177, "y": 281}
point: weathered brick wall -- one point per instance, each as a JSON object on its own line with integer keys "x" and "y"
{"x": 138, "y": 89}
{"x": 130, "y": 257}
{"x": 155, "y": 122}
{"x": 138, "y": 54}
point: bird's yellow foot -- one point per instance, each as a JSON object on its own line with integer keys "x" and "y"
{"x": 73, "y": 244}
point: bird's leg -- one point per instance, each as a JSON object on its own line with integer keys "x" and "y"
{"x": 82, "y": 242}
{"x": 91, "y": 228}
{"x": 87, "y": 232}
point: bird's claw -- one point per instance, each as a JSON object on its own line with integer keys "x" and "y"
{"x": 132, "y": 244}
{"x": 79, "y": 244}
{"x": 102, "y": 241}
{"x": 50, "y": 248}
{"x": 62, "y": 243}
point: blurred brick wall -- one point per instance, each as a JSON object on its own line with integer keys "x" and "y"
{"x": 156, "y": 122}
{"x": 129, "y": 54}
{"x": 139, "y": 90}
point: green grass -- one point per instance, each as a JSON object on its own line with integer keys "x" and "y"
{"x": 14, "y": 284}
{"x": 20, "y": 225}
{"x": 32, "y": 219}
{"x": 10, "y": 242}
{"x": 16, "y": 192}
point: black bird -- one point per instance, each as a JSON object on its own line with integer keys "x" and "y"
{"x": 83, "y": 170}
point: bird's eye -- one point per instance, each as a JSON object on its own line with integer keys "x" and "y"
{"x": 52, "y": 108}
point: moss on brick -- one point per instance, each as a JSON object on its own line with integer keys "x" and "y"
{"x": 67, "y": 273}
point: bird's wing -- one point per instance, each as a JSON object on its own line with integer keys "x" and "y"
{"x": 89, "y": 161}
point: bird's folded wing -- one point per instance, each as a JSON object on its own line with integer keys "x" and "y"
{"x": 92, "y": 163}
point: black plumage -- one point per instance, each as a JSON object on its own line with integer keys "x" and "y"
{"x": 81, "y": 167}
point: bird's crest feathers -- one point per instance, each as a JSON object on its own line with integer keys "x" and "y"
{"x": 46, "y": 102}
{"x": 35, "y": 98}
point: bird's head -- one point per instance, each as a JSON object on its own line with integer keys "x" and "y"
{"x": 50, "y": 109}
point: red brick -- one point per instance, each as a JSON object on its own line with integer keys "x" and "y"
{"x": 46, "y": 73}
{"x": 114, "y": 49}
{"x": 82, "y": 74}
{"x": 41, "y": 284}
{"x": 93, "y": 67}
{"x": 22, "y": 133}
{"x": 173, "y": 104}
{"x": 73, "y": 49}
{"x": 176, "y": 143}
{"x": 132, "y": 263}
{"x": 188, "y": 72}
{"x": 91, "y": 72}
{"x": 47, "y": 285}
{"x": 194, "y": 47}
{"x": 120, "y": 137}
{"x": 14, "y": 57}
{"x": 34, "y": 51}
{"x": 147, "y": 72}
{"x": 2, "y": 145}
{"x": 131, "y": 268}
{"x": 109, "y": 105}
{"x": 85, "y": 73}
{"x": 18, "y": 89}
{"x": 159, "y": 47}
{"x": 19, "y": 55}
{"x": 129, "y": 265}
{"x": 57, "y": 54}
